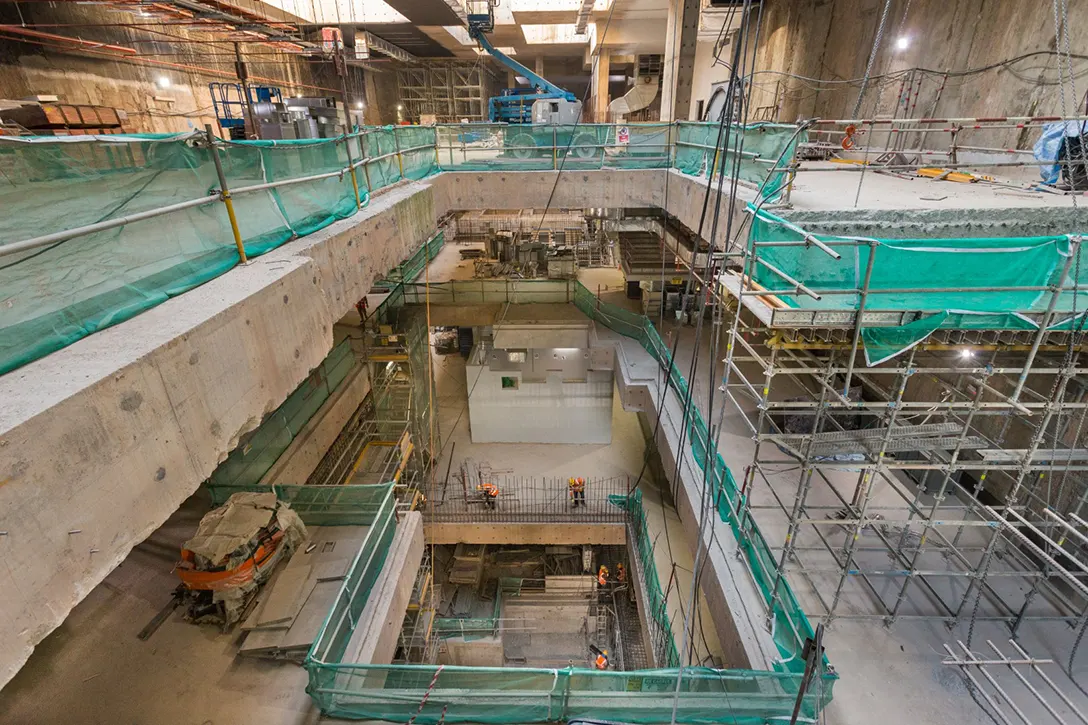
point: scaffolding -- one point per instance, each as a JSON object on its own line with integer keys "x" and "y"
{"x": 449, "y": 91}
{"x": 918, "y": 463}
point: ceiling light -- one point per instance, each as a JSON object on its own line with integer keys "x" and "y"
{"x": 359, "y": 105}
{"x": 400, "y": 106}
{"x": 504, "y": 49}
{"x": 164, "y": 82}
{"x": 903, "y": 42}
{"x": 966, "y": 353}
{"x": 554, "y": 33}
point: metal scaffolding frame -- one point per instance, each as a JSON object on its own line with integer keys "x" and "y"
{"x": 946, "y": 483}
{"x": 449, "y": 90}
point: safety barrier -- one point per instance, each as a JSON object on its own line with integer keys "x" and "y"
{"x": 81, "y": 247}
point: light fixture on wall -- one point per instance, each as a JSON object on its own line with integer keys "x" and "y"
{"x": 400, "y": 106}
{"x": 359, "y": 105}
{"x": 164, "y": 82}
{"x": 902, "y": 42}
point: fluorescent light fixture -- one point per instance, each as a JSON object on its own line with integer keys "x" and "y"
{"x": 522, "y": 80}
{"x": 556, "y": 33}
{"x": 966, "y": 353}
{"x": 330, "y": 12}
{"x": 459, "y": 32}
{"x": 902, "y": 42}
{"x": 504, "y": 49}
{"x": 538, "y": 6}
{"x": 164, "y": 82}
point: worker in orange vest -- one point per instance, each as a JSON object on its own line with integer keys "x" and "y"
{"x": 490, "y": 492}
{"x": 621, "y": 574}
{"x": 601, "y": 663}
{"x": 602, "y": 576}
{"x": 577, "y": 488}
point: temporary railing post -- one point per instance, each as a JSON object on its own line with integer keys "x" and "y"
{"x": 224, "y": 194}
{"x": 555, "y": 149}
{"x": 400, "y": 158}
{"x": 342, "y": 70}
{"x": 857, "y": 323}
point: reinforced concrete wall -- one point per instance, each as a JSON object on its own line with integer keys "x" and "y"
{"x": 102, "y": 441}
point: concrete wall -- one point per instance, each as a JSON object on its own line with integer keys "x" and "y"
{"x": 830, "y": 40}
{"x": 37, "y": 66}
{"x": 307, "y": 449}
{"x": 553, "y": 412}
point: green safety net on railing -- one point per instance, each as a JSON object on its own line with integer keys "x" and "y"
{"x": 790, "y": 624}
{"x": 331, "y": 643}
{"x": 496, "y": 147}
{"x": 981, "y": 283}
{"x": 655, "y": 595}
{"x": 247, "y": 464}
{"x": 762, "y": 147}
{"x": 427, "y": 694}
{"x": 346, "y": 505}
{"x": 59, "y": 293}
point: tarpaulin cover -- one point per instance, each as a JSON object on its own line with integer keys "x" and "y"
{"x": 948, "y": 283}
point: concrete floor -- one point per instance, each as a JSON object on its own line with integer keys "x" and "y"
{"x": 93, "y": 670}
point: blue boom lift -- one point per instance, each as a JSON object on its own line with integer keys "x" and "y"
{"x": 544, "y": 104}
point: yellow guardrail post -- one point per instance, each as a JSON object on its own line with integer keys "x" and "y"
{"x": 400, "y": 158}
{"x": 224, "y": 194}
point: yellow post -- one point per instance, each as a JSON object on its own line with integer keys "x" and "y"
{"x": 224, "y": 194}
{"x": 400, "y": 159}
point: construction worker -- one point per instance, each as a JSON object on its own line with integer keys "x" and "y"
{"x": 621, "y": 574}
{"x": 490, "y": 493}
{"x": 602, "y": 576}
{"x": 577, "y": 488}
{"x": 600, "y": 660}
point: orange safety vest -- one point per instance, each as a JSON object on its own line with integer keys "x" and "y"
{"x": 621, "y": 574}
{"x": 601, "y": 663}
{"x": 602, "y": 577}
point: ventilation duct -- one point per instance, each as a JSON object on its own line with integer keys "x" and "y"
{"x": 641, "y": 95}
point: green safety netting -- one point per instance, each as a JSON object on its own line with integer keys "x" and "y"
{"x": 346, "y": 505}
{"x": 983, "y": 283}
{"x": 486, "y": 147}
{"x": 790, "y": 625}
{"x": 655, "y": 596}
{"x": 59, "y": 293}
{"x": 427, "y": 694}
{"x": 762, "y": 147}
{"x": 256, "y": 453}
{"x": 56, "y": 294}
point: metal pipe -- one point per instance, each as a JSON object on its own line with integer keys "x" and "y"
{"x": 47, "y": 239}
{"x": 1046, "y": 678}
{"x": 1020, "y": 676}
{"x": 1074, "y": 247}
{"x": 857, "y": 322}
{"x": 788, "y": 278}
{"x": 1076, "y": 533}
{"x": 978, "y": 687}
{"x": 224, "y": 194}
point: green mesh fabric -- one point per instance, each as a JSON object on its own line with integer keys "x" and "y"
{"x": 762, "y": 146}
{"x": 247, "y": 464}
{"x": 57, "y": 294}
{"x": 791, "y": 625}
{"x": 655, "y": 595}
{"x": 427, "y": 694}
{"x": 346, "y": 505}
{"x": 483, "y": 147}
{"x": 947, "y": 283}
